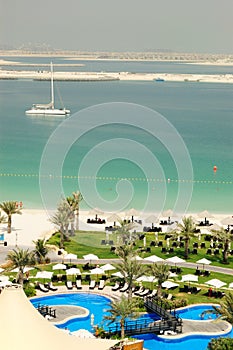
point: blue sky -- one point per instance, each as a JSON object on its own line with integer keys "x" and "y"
{"x": 123, "y": 25}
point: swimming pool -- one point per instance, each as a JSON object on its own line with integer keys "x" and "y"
{"x": 195, "y": 312}
{"x": 98, "y": 304}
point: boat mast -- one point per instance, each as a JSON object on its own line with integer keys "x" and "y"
{"x": 52, "y": 87}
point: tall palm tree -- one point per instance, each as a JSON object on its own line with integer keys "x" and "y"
{"x": 9, "y": 209}
{"x": 77, "y": 198}
{"x": 20, "y": 258}
{"x": 131, "y": 269}
{"x": 225, "y": 311}
{"x": 74, "y": 203}
{"x": 161, "y": 273}
{"x": 124, "y": 231}
{"x": 226, "y": 238}
{"x": 62, "y": 219}
{"x": 3, "y": 219}
{"x": 186, "y": 230}
{"x": 41, "y": 250}
{"x": 120, "y": 310}
{"x": 126, "y": 250}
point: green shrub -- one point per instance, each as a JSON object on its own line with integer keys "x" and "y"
{"x": 220, "y": 344}
{"x": 29, "y": 290}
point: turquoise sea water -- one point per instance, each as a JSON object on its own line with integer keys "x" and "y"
{"x": 201, "y": 113}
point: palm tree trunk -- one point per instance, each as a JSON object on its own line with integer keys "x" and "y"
{"x": 77, "y": 219}
{"x": 224, "y": 253}
{"x": 122, "y": 329}
{"x": 72, "y": 227}
{"x": 20, "y": 277}
{"x": 186, "y": 253}
{"x": 9, "y": 224}
{"x": 62, "y": 238}
{"x": 159, "y": 290}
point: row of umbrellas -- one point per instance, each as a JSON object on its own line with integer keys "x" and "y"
{"x": 205, "y": 214}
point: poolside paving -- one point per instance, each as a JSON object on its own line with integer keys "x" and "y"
{"x": 208, "y": 327}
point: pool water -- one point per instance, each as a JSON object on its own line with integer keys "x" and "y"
{"x": 195, "y": 312}
{"x": 98, "y": 304}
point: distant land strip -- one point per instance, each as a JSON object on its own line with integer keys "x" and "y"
{"x": 149, "y": 55}
{"x": 108, "y": 76}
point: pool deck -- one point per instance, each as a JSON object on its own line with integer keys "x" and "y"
{"x": 64, "y": 313}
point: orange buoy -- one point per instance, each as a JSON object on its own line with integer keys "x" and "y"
{"x": 215, "y": 168}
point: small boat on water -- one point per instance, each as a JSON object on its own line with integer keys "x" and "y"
{"x": 159, "y": 79}
{"x": 49, "y": 108}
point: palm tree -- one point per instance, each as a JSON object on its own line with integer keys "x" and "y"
{"x": 3, "y": 219}
{"x": 161, "y": 273}
{"x": 126, "y": 250}
{"x": 41, "y": 250}
{"x": 131, "y": 269}
{"x": 186, "y": 230}
{"x": 123, "y": 231}
{"x": 76, "y": 199}
{"x": 9, "y": 209}
{"x": 61, "y": 219}
{"x": 20, "y": 258}
{"x": 120, "y": 310}
{"x": 225, "y": 311}
{"x": 226, "y": 238}
{"x": 226, "y": 308}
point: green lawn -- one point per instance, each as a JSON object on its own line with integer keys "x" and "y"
{"x": 90, "y": 242}
{"x": 85, "y": 242}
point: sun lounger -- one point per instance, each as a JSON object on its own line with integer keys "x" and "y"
{"x": 69, "y": 285}
{"x": 50, "y": 286}
{"x": 124, "y": 288}
{"x": 169, "y": 297}
{"x": 101, "y": 284}
{"x": 92, "y": 284}
{"x": 116, "y": 286}
{"x": 43, "y": 288}
{"x": 153, "y": 293}
{"x": 139, "y": 291}
{"x": 79, "y": 284}
{"x": 145, "y": 292}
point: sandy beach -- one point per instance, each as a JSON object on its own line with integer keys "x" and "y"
{"x": 124, "y": 76}
{"x": 34, "y": 224}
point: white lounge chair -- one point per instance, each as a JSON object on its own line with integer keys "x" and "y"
{"x": 144, "y": 293}
{"x": 124, "y": 288}
{"x": 69, "y": 285}
{"x": 92, "y": 284}
{"x": 101, "y": 284}
{"x": 43, "y": 288}
{"x": 78, "y": 284}
{"x": 116, "y": 286}
{"x": 50, "y": 286}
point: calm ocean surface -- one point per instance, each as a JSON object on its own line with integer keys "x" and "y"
{"x": 201, "y": 113}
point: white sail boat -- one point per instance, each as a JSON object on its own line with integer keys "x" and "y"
{"x": 48, "y": 109}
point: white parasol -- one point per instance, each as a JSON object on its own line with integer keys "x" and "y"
{"x": 216, "y": 283}
{"x": 169, "y": 284}
{"x": 154, "y": 259}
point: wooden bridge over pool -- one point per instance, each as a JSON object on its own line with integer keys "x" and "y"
{"x": 169, "y": 322}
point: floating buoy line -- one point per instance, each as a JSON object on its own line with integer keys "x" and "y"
{"x": 114, "y": 178}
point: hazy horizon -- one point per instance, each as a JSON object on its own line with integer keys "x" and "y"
{"x": 152, "y": 25}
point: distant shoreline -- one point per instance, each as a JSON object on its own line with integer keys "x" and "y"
{"x": 114, "y": 76}
{"x": 154, "y": 56}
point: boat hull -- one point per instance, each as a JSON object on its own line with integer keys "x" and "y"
{"x": 48, "y": 112}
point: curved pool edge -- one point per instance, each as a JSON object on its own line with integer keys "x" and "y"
{"x": 194, "y": 305}
{"x": 198, "y": 333}
{"x": 85, "y": 313}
